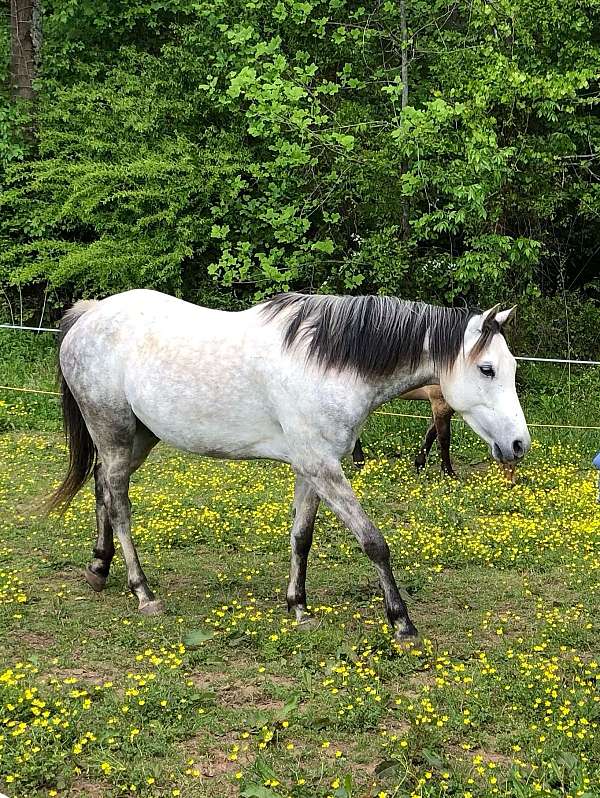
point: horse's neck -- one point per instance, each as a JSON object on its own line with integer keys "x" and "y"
{"x": 404, "y": 380}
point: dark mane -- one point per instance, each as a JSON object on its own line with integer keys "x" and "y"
{"x": 372, "y": 335}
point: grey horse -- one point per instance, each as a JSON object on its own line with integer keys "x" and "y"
{"x": 292, "y": 379}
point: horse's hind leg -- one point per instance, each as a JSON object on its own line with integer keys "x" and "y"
{"x": 97, "y": 571}
{"x": 306, "y": 503}
{"x": 116, "y": 498}
{"x": 425, "y": 447}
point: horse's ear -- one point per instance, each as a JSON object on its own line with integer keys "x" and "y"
{"x": 489, "y": 316}
{"x": 506, "y": 315}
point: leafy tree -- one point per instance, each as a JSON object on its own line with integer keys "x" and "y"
{"x": 227, "y": 150}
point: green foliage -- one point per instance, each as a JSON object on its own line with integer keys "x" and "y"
{"x": 558, "y": 326}
{"x": 28, "y": 361}
{"x": 256, "y": 147}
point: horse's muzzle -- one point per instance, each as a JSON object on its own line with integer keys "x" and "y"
{"x": 512, "y": 452}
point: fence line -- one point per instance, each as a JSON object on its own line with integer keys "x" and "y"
{"x": 560, "y": 360}
{"x": 401, "y": 415}
{"x": 460, "y": 421}
{"x": 33, "y": 329}
{"x": 27, "y": 390}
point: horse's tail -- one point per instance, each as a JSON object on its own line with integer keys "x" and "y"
{"x": 82, "y": 452}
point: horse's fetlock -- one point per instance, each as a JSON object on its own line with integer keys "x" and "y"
{"x": 105, "y": 555}
{"x": 100, "y": 568}
{"x": 295, "y": 600}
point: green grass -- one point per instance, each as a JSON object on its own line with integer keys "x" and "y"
{"x": 28, "y": 360}
{"x": 225, "y": 696}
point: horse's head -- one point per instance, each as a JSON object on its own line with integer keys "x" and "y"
{"x": 480, "y": 385}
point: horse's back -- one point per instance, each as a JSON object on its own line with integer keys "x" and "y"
{"x": 196, "y": 377}
{"x": 426, "y": 393}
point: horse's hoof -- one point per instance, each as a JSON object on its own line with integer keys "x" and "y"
{"x": 156, "y": 607}
{"x": 304, "y": 620}
{"x": 96, "y": 581}
{"x": 406, "y": 634}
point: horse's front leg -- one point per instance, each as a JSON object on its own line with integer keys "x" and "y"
{"x": 334, "y": 489}
{"x": 444, "y": 433}
{"x": 306, "y": 503}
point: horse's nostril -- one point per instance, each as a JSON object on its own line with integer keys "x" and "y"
{"x": 518, "y": 448}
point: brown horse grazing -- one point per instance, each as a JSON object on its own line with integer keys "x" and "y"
{"x": 440, "y": 428}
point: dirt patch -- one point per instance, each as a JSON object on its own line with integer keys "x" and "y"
{"x": 248, "y": 696}
{"x": 282, "y": 681}
{"x": 36, "y": 640}
{"x": 237, "y": 694}
{"x": 217, "y": 763}
{"x": 87, "y": 789}
{"x": 81, "y": 674}
{"x": 209, "y": 680}
{"x": 396, "y": 726}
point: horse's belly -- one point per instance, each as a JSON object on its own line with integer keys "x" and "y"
{"x": 236, "y": 433}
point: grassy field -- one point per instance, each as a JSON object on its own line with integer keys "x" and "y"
{"x": 226, "y": 696}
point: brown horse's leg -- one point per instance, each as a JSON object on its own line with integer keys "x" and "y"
{"x": 425, "y": 447}
{"x": 444, "y": 427}
{"x": 358, "y": 455}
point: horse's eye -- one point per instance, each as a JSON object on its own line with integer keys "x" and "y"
{"x": 487, "y": 371}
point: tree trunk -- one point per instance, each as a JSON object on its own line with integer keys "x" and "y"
{"x": 25, "y": 46}
{"x": 404, "y": 61}
{"x": 404, "y": 101}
